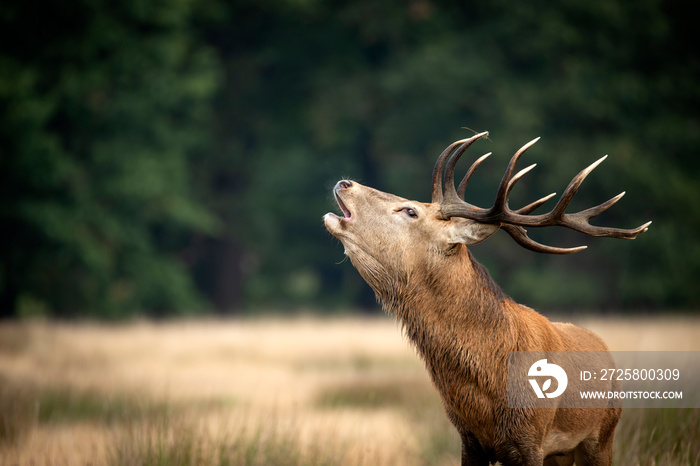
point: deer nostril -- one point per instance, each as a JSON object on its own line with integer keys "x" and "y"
{"x": 343, "y": 184}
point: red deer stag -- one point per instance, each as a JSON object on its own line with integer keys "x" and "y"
{"x": 414, "y": 256}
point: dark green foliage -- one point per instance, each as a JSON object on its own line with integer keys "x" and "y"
{"x": 104, "y": 106}
{"x": 154, "y": 154}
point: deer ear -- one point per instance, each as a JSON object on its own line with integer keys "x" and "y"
{"x": 466, "y": 231}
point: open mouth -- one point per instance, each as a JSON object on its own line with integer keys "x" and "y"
{"x": 346, "y": 212}
{"x": 341, "y": 186}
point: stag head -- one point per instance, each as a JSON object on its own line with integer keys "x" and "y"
{"x": 389, "y": 236}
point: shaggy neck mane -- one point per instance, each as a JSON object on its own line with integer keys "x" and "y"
{"x": 454, "y": 315}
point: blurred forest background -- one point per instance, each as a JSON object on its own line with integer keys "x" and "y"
{"x": 161, "y": 157}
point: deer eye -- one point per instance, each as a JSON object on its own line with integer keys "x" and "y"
{"x": 410, "y": 212}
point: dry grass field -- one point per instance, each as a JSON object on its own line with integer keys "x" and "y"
{"x": 298, "y": 391}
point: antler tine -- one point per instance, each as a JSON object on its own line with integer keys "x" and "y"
{"x": 599, "y": 209}
{"x": 500, "y": 205}
{"x": 573, "y": 186}
{"x": 516, "y": 177}
{"x": 531, "y": 207}
{"x": 579, "y": 221}
{"x": 585, "y": 215}
{"x": 519, "y": 234}
{"x": 451, "y": 204}
{"x": 437, "y": 170}
{"x": 450, "y": 193}
{"x": 463, "y": 184}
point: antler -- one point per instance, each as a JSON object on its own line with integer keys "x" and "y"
{"x": 513, "y": 221}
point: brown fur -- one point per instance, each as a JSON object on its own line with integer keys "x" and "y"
{"x": 463, "y": 327}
